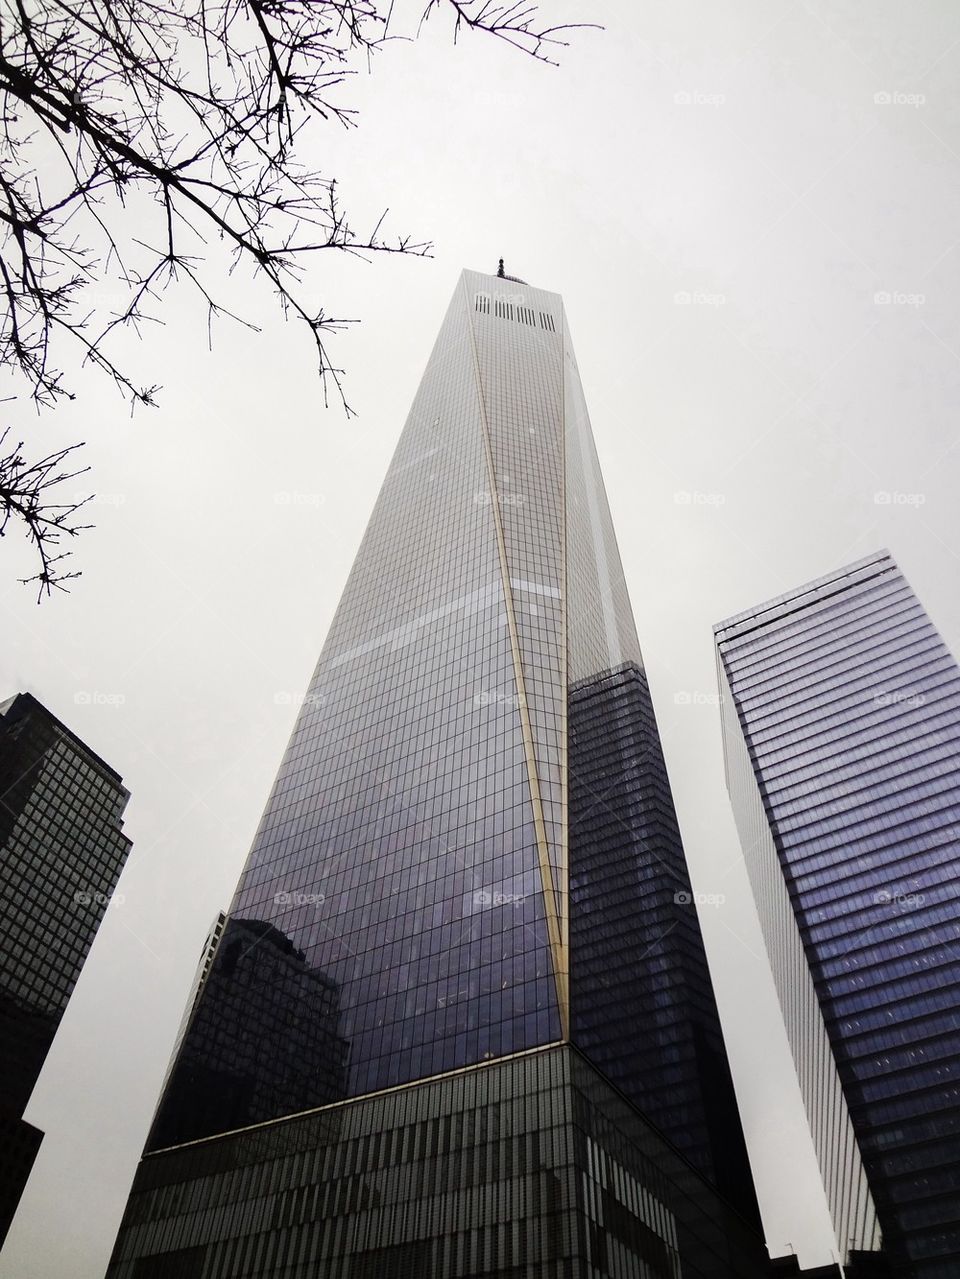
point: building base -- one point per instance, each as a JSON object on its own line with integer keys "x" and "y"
{"x": 525, "y": 1168}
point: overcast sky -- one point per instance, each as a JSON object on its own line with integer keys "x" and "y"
{"x": 720, "y": 191}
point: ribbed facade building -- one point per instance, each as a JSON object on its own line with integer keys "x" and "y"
{"x": 62, "y": 849}
{"x": 460, "y": 1021}
{"x": 841, "y": 713}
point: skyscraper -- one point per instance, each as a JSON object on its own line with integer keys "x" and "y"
{"x": 62, "y": 849}
{"x": 841, "y": 714}
{"x": 462, "y": 953}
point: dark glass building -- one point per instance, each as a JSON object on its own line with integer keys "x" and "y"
{"x": 62, "y": 849}
{"x": 461, "y": 991}
{"x": 841, "y": 709}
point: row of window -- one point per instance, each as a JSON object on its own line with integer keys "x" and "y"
{"x": 487, "y": 305}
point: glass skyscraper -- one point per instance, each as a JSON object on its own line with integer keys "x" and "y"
{"x": 460, "y": 1020}
{"x": 62, "y": 849}
{"x": 841, "y": 713}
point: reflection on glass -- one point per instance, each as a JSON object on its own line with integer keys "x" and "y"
{"x": 842, "y": 728}
{"x": 263, "y": 1039}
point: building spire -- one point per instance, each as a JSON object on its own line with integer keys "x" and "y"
{"x": 502, "y": 275}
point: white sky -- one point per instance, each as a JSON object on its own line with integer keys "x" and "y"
{"x": 228, "y": 518}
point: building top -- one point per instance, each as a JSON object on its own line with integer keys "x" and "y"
{"x": 22, "y": 705}
{"x": 812, "y": 592}
{"x": 502, "y": 275}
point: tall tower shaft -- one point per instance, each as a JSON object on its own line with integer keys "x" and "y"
{"x": 470, "y": 852}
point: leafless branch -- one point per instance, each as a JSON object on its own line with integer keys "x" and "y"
{"x": 139, "y": 137}
{"x": 518, "y": 24}
{"x": 26, "y": 497}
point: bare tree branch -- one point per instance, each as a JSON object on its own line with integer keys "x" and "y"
{"x": 25, "y": 496}
{"x": 137, "y": 136}
{"x": 518, "y": 24}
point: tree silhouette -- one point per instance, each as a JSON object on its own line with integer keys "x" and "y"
{"x": 136, "y": 134}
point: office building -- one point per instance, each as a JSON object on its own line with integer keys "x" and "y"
{"x": 62, "y": 849}
{"x": 460, "y": 1021}
{"x": 841, "y": 715}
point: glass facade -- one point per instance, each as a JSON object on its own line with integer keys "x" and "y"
{"x": 843, "y": 703}
{"x": 642, "y": 1005}
{"x": 408, "y": 849}
{"x": 62, "y": 849}
{"x": 470, "y": 850}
